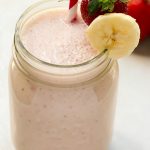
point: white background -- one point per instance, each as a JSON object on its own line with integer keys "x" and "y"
{"x": 132, "y": 123}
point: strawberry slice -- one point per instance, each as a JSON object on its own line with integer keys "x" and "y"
{"x": 90, "y": 9}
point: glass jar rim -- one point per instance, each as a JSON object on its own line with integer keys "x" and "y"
{"x": 24, "y": 52}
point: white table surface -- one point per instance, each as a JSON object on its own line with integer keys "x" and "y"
{"x": 132, "y": 123}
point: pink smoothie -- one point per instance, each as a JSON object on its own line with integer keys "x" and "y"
{"x": 50, "y": 37}
{"x": 71, "y": 111}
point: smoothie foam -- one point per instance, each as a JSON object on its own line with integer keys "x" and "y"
{"x": 49, "y": 37}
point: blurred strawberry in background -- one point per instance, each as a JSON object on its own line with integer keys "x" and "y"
{"x": 140, "y": 10}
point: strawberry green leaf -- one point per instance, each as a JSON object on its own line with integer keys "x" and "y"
{"x": 93, "y": 6}
{"x": 104, "y": 5}
{"x": 124, "y": 1}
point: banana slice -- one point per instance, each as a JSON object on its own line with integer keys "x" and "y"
{"x": 116, "y": 32}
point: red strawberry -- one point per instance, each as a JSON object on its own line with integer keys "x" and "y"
{"x": 148, "y": 12}
{"x": 140, "y": 10}
{"x": 90, "y": 9}
{"x": 120, "y": 7}
{"x": 85, "y": 14}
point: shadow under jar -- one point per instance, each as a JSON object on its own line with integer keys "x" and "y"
{"x": 60, "y": 107}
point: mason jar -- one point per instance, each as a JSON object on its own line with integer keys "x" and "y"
{"x": 60, "y": 107}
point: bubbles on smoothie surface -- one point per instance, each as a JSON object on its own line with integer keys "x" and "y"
{"x": 50, "y": 38}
